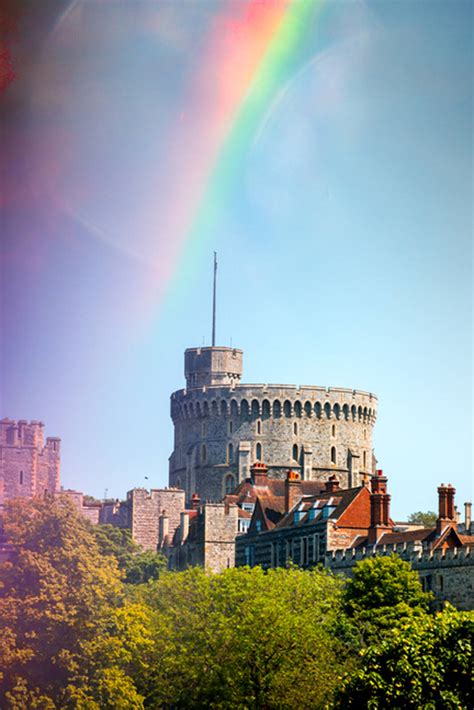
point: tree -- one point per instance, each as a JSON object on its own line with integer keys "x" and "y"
{"x": 383, "y": 592}
{"x": 244, "y": 638}
{"x": 138, "y": 565}
{"x": 427, "y": 664}
{"x": 427, "y": 519}
{"x": 57, "y": 592}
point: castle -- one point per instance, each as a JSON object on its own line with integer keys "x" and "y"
{"x": 222, "y": 426}
{"x": 28, "y": 466}
{"x": 260, "y": 474}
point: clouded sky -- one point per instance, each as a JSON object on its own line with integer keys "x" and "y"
{"x": 325, "y": 153}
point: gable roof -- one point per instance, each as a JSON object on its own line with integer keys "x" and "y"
{"x": 329, "y": 505}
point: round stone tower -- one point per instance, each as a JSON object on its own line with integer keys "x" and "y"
{"x": 221, "y": 427}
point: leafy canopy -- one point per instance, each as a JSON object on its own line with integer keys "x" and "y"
{"x": 427, "y": 519}
{"x": 138, "y": 565}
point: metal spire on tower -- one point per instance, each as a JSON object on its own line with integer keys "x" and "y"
{"x": 214, "y": 302}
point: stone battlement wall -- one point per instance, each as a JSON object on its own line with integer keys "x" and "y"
{"x": 222, "y": 431}
{"x": 448, "y": 574}
{"x": 28, "y": 465}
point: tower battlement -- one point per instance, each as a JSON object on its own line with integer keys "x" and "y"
{"x": 212, "y": 366}
{"x": 223, "y": 426}
{"x": 28, "y": 465}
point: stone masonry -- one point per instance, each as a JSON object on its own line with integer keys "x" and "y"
{"x": 28, "y": 466}
{"x": 221, "y": 427}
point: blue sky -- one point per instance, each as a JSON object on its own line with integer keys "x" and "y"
{"x": 345, "y": 245}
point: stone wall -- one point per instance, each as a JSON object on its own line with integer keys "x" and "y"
{"x": 28, "y": 466}
{"x": 221, "y": 431}
{"x": 449, "y": 574}
{"x": 145, "y": 508}
{"x": 220, "y": 530}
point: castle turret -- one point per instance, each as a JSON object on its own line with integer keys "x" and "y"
{"x": 212, "y": 366}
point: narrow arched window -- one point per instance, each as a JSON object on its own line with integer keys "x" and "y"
{"x": 295, "y": 428}
{"x": 295, "y": 452}
{"x": 231, "y": 427}
{"x": 259, "y": 427}
{"x": 333, "y": 454}
{"x": 229, "y": 484}
{"x": 21, "y": 478}
{"x": 230, "y": 453}
{"x": 258, "y": 452}
{"x": 204, "y": 453}
{"x": 364, "y": 459}
{"x": 333, "y": 430}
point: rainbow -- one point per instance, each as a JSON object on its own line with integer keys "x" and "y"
{"x": 260, "y": 53}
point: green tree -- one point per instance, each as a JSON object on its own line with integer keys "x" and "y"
{"x": 427, "y": 664}
{"x": 383, "y": 592}
{"x": 138, "y": 565}
{"x": 427, "y": 519}
{"x": 57, "y": 592}
{"x": 245, "y": 639}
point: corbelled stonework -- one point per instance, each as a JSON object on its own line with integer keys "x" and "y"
{"x": 222, "y": 427}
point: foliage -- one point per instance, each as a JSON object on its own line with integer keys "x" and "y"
{"x": 427, "y": 664}
{"x": 244, "y": 639}
{"x": 383, "y": 592}
{"x": 427, "y": 519}
{"x": 138, "y": 565}
{"x": 56, "y": 592}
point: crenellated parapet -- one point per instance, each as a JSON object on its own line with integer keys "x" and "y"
{"x": 222, "y": 426}
{"x": 447, "y": 574}
{"x": 265, "y": 401}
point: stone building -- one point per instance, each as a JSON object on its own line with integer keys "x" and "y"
{"x": 222, "y": 426}
{"x": 337, "y": 527}
{"x": 29, "y": 466}
{"x": 205, "y": 537}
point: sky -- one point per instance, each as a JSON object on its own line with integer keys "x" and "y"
{"x": 323, "y": 149}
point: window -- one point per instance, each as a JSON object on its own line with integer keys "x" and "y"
{"x": 295, "y": 428}
{"x": 203, "y": 453}
{"x": 304, "y": 551}
{"x": 21, "y": 478}
{"x": 229, "y": 484}
{"x": 364, "y": 459}
{"x": 231, "y": 427}
{"x": 441, "y": 582}
{"x": 258, "y": 452}
{"x": 249, "y": 556}
{"x": 333, "y": 430}
{"x": 230, "y": 453}
{"x": 333, "y": 454}
{"x": 258, "y": 526}
{"x": 259, "y": 427}
{"x": 204, "y": 429}
{"x": 365, "y": 433}
{"x": 295, "y": 452}
{"x": 243, "y": 525}
{"x": 316, "y": 548}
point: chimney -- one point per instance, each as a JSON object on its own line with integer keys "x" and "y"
{"x": 379, "y": 507}
{"x": 467, "y": 517}
{"x": 184, "y": 526}
{"x": 292, "y": 490}
{"x": 451, "y": 509}
{"x": 332, "y": 484}
{"x": 379, "y": 482}
{"x": 446, "y": 512}
{"x": 259, "y": 474}
{"x": 163, "y": 528}
{"x": 195, "y": 501}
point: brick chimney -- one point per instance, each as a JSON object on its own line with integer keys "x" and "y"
{"x": 332, "y": 484}
{"x": 195, "y": 501}
{"x": 292, "y": 489}
{"x": 259, "y": 474}
{"x": 379, "y": 507}
{"x": 467, "y": 517}
{"x": 446, "y": 512}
